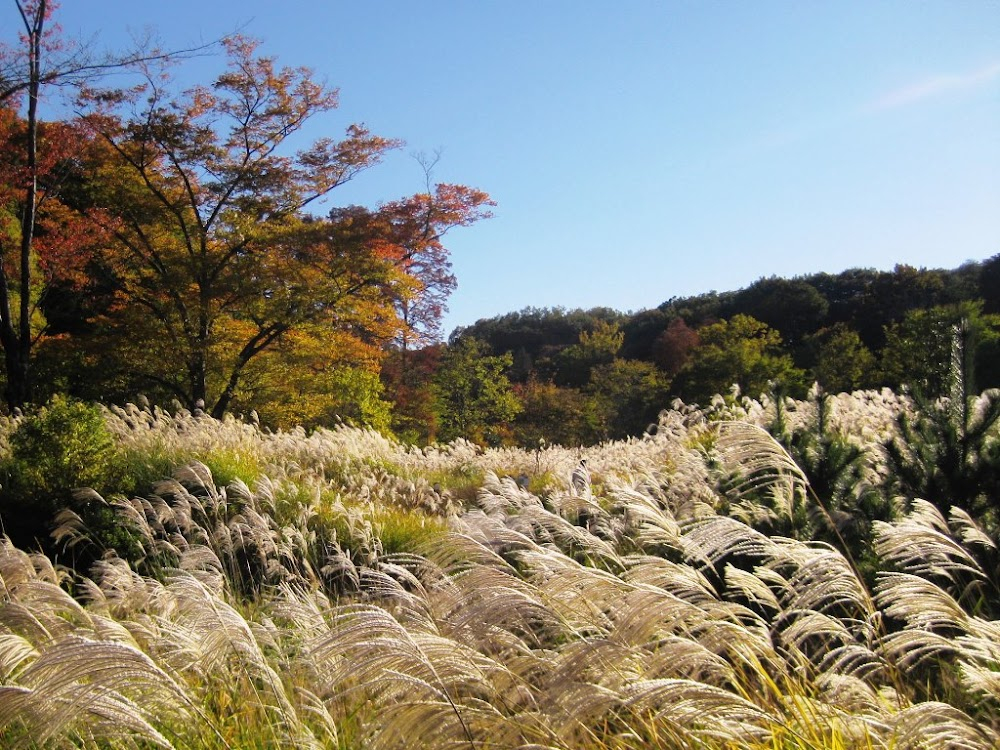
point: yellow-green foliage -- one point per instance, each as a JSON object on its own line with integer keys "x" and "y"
{"x": 401, "y": 530}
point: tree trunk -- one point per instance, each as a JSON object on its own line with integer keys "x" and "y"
{"x": 16, "y": 339}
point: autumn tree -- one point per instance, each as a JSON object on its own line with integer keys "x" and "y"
{"x": 411, "y": 391}
{"x": 315, "y": 376}
{"x": 673, "y": 347}
{"x": 416, "y": 229}
{"x": 215, "y": 259}
{"x": 39, "y": 240}
{"x": 42, "y": 241}
{"x": 410, "y": 234}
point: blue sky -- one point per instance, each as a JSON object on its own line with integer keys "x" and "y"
{"x": 640, "y": 149}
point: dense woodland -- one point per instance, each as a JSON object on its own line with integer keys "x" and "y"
{"x": 585, "y": 376}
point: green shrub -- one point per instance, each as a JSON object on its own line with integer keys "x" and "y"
{"x": 62, "y": 446}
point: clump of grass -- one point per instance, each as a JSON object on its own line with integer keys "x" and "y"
{"x": 228, "y": 466}
{"x": 401, "y": 530}
{"x": 460, "y": 482}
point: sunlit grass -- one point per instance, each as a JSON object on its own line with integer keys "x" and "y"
{"x": 340, "y": 590}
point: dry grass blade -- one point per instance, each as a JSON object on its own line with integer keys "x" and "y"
{"x": 483, "y": 600}
{"x": 582, "y": 597}
{"x": 825, "y": 581}
{"x": 681, "y": 580}
{"x": 813, "y": 633}
{"x": 204, "y": 633}
{"x": 753, "y": 460}
{"x": 15, "y": 651}
{"x": 501, "y": 496}
{"x": 969, "y": 531}
{"x": 406, "y": 673}
{"x": 703, "y": 710}
{"x": 853, "y": 660}
{"x": 655, "y": 528}
{"x": 709, "y": 540}
{"x": 751, "y": 588}
{"x": 939, "y": 726}
{"x": 104, "y": 689}
{"x": 16, "y": 567}
{"x": 922, "y": 605}
{"x": 544, "y": 526}
{"x": 649, "y": 615}
{"x": 851, "y": 694}
{"x": 917, "y": 546}
{"x": 686, "y": 658}
{"x": 57, "y": 611}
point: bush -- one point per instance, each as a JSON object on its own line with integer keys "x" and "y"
{"x": 63, "y": 446}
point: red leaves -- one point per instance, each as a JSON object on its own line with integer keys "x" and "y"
{"x": 407, "y": 234}
{"x": 418, "y": 224}
{"x": 204, "y": 243}
{"x": 63, "y": 236}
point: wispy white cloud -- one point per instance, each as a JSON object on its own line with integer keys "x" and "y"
{"x": 937, "y": 85}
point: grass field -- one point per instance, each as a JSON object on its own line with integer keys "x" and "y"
{"x": 713, "y": 585}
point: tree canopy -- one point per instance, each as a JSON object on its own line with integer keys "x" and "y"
{"x": 184, "y": 250}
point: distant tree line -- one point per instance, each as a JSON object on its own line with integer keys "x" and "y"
{"x": 583, "y": 376}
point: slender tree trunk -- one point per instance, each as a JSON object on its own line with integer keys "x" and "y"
{"x": 16, "y": 338}
{"x": 197, "y": 378}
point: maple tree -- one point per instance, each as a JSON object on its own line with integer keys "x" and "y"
{"x": 314, "y": 376}
{"x": 215, "y": 260}
{"x": 40, "y": 238}
{"x": 408, "y": 383}
{"x": 672, "y": 348}
{"x": 414, "y": 229}
{"x": 417, "y": 226}
{"x": 21, "y": 198}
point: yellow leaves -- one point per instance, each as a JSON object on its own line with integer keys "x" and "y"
{"x": 315, "y": 376}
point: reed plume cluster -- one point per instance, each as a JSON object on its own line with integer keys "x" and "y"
{"x": 346, "y": 591}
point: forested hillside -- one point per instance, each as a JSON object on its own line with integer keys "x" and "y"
{"x": 583, "y": 376}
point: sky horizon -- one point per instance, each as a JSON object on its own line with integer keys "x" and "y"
{"x": 646, "y": 150}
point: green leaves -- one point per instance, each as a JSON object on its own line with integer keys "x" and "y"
{"x": 741, "y": 351}
{"x": 473, "y": 397}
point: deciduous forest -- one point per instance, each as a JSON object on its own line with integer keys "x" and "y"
{"x": 249, "y": 498}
